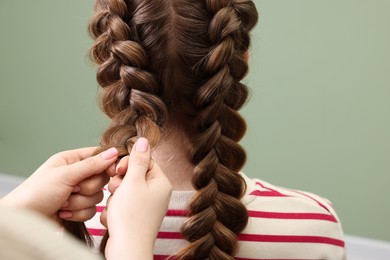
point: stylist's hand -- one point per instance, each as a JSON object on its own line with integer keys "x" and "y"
{"x": 68, "y": 185}
{"x": 137, "y": 206}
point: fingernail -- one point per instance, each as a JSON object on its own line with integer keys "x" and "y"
{"x": 141, "y": 145}
{"x": 109, "y": 154}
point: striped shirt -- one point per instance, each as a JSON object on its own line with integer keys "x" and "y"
{"x": 283, "y": 224}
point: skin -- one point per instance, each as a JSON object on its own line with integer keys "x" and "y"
{"x": 171, "y": 154}
{"x": 68, "y": 185}
{"x": 145, "y": 191}
{"x": 72, "y": 181}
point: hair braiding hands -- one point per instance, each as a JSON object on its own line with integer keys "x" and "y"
{"x": 138, "y": 204}
{"x": 67, "y": 186}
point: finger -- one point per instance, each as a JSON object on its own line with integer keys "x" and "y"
{"x": 151, "y": 164}
{"x": 103, "y": 218}
{"x": 111, "y": 171}
{"x": 154, "y": 171}
{"x": 93, "y": 184}
{"x": 139, "y": 161}
{"x": 103, "y": 215}
{"x": 114, "y": 183}
{"x": 121, "y": 167}
{"x": 76, "y": 172}
{"x": 79, "y": 216}
{"x": 80, "y": 202}
{"x": 70, "y": 156}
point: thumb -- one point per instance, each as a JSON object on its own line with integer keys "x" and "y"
{"x": 139, "y": 161}
{"x": 78, "y": 171}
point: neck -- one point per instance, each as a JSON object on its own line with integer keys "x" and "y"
{"x": 171, "y": 156}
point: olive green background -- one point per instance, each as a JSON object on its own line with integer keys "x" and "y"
{"x": 318, "y": 116}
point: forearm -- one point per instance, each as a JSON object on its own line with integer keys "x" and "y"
{"x": 17, "y": 198}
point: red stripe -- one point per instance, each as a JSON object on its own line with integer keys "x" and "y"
{"x": 265, "y": 214}
{"x": 177, "y": 213}
{"x": 262, "y": 185}
{"x": 269, "y": 189}
{"x": 268, "y": 238}
{"x": 99, "y": 232}
{"x": 100, "y": 208}
{"x": 290, "y": 239}
{"x": 310, "y": 197}
{"x": 267, "y": 193}
{"x": 292, "y": 215}
{"x": 170, "y": 235}
{"x": 274, "y": 193}
{"x": 165, "y": 257}
{"x": 240, "y": 258}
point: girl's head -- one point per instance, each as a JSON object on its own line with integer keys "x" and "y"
{"x": 181, "y": 61}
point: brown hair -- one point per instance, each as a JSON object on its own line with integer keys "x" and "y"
{"x": 162, "y": 57}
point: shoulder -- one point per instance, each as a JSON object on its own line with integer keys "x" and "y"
{"x": 290, "y": 222}
{"x": 259, "y": 191}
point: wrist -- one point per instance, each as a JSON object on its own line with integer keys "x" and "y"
{"x": 24, "y": 198}
{"x": 129, "y": 247}
{"x": 15, "y": 200}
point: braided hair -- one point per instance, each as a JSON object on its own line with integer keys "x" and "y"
{"x": 157, "y": 58}
{"x": 130, "y": 96}
{"x": 217, "y": 214}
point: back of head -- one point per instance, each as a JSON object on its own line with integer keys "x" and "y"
{"x": 182, "y": 57}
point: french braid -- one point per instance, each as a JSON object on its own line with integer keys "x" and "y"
{"x": 129, "y": 95}
{"x": 217, "y": 214}
{"x": 130, "y": 91}
{"x": 184, "y": 57}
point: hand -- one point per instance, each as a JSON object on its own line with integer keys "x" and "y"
{"x": 137, "y": 206}
{"x": 71, "y": 180}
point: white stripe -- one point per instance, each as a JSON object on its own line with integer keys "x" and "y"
{"x": 289, "y": 251}
{"x": 301, "y": 227}
{"x": 286, "y": 204}
{"x": 265, "y": 250}
{"x": 168, "y": 246}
